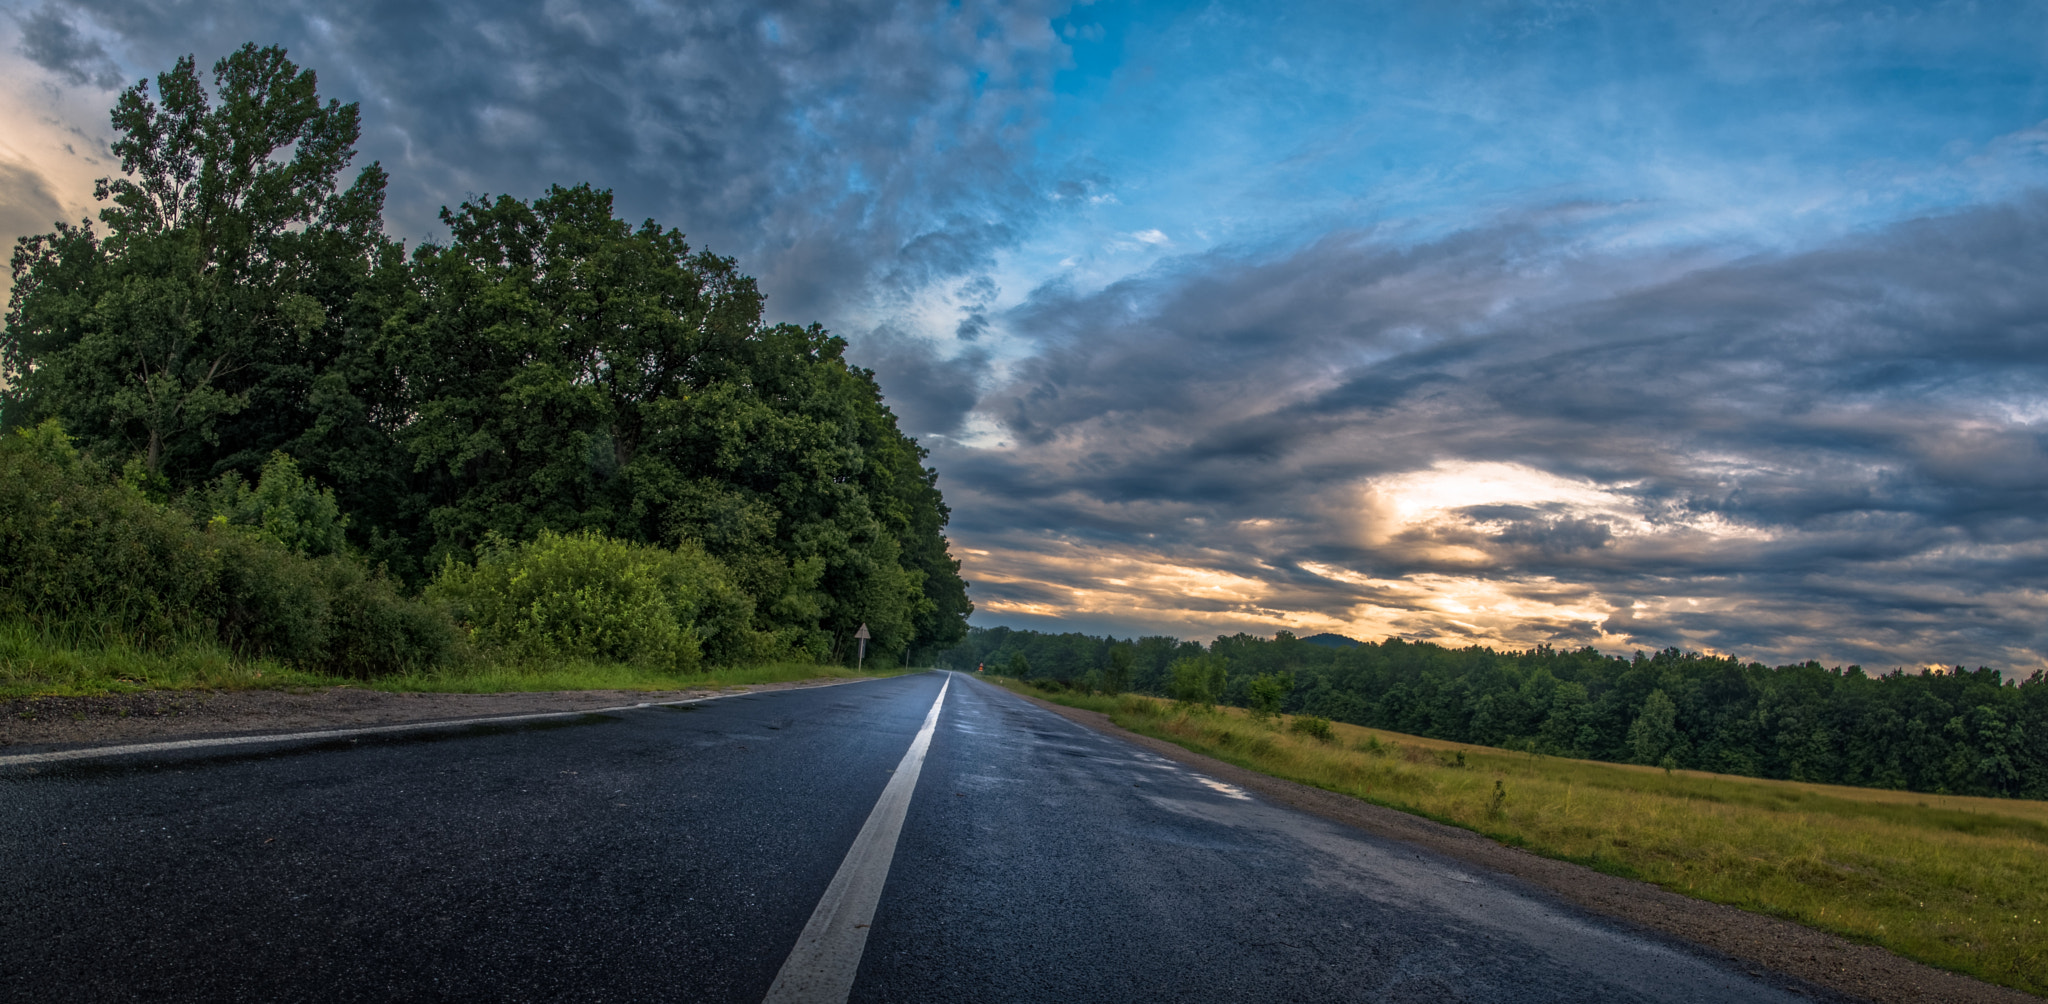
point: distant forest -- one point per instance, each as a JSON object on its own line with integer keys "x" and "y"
{"x": 1956, "y": 732}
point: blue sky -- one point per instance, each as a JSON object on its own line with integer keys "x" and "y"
{"x": 1771, "y": 125}
{"x": 1627, "y": 324}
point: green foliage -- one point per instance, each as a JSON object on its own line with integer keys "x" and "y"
{"x": 373, "y": 631}
{"x": 1019, "y": 667}
{"x": 550, "y": 368}
{"x": 188, "y": 333}
{"x": 285, "y": 507}
{"x": 1198, "y": 680}
{"x": 1317, "y": 728}
{"x": 1116, "y": 677}
{"x": 83, "y": 548}
{"x": 588, "y": 596}
{"x": 1958, "y": 732}
{"x": 1266, "y": 691}
{"x": 1654, "y": 734}
{"x": 89, "y": 555}
{"x": 571, "y": 372}
{"x": 327, "y": 614}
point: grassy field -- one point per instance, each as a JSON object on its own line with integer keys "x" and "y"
{"x": 34, "y": 664}
{"x": 1960, "y": 883}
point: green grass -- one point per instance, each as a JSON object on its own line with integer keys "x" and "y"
{"x": 1955, "y": 882}
{"x": 37, "y": 663}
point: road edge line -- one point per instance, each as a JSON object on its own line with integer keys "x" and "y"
{"x": 821, "y": 968}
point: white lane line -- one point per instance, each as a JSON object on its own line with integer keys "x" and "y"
{"x": 190, "y": 744}
{"x": 821, "y": 968}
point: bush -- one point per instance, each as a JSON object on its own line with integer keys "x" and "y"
{"x": 1197, "y": 681}
{"x": 285, "y": 507}
{"x": 589, "y": 596}
{"x": 86, "y": 554}
{"x": 1313, "y": 726}
{"x": 373, "y": 631}
{"x": 327, "y": 614}
{"x": 264, "y": 600}
{"x": 1265, "y": 693}
{"x": 80, "y": 550}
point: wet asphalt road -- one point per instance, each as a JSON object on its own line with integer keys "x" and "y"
{"x": 675, "y": 854}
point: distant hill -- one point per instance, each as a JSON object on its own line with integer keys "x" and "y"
{"x": 1328, "y": 640}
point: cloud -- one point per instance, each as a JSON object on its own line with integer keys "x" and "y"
{"x": 27, "y": 205}
{"x": 51, "y": 42}
{"x": 1505, "y": 437}
{"x": 930, "y": 394}
{"x": 846, "y": 153}
{"x": 1605, "y": 418}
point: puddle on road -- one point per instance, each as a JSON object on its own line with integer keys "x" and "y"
{"x": 1226, "y": 789}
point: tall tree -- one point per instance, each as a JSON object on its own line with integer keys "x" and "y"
{"x": 569, "y": 371}
{"x": 190, "y": 335}
{"x": 550, "y": 367}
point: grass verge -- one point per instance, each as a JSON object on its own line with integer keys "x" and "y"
{"x": 1954, "y": 882}
{"x": 35, "y": 663}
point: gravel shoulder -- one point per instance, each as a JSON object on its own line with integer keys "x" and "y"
{"x": 1823, "y": 959}
{"x": 48, "y": 724}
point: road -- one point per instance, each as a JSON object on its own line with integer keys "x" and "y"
{"x": 675, "y": 854}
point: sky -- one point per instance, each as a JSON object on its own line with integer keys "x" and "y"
{"x": 1711, "y": 325}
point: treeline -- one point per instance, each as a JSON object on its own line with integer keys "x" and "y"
{"x": 549, "y": 373}
{"x": 1956, "y": 732}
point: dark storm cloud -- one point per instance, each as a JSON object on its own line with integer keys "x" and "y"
{"x": 835, "y": 148}
{"x": 929, "y": 395}
{"x": 1840, "y": 453}
{"x": 55, "y": 45}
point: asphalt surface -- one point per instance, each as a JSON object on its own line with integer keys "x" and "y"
{"x": 675, "y": 855}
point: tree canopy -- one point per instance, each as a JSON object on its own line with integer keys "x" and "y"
{"x": 549, "y": 368}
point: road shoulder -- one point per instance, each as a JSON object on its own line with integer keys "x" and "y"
{"x": 1765, "y": 942}
{"x": 50, "y": 724}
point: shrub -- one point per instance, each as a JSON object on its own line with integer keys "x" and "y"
{"x": 80, "y": 550}
{"x": 264, "y": 600}
{"x": 87, "y": 554}
{"x": 1314, "y": 727}
{"x": 284, "y": 507}
{"x": 373, "y": 631}
{"x": 1265, "y": 693}
{"x": 1197, "y": 681}
{"x": 589, "y": 596}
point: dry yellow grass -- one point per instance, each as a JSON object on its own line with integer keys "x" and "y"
{"x": 1960, "y": 883}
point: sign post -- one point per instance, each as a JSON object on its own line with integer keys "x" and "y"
{"x": 861, "y": 634}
